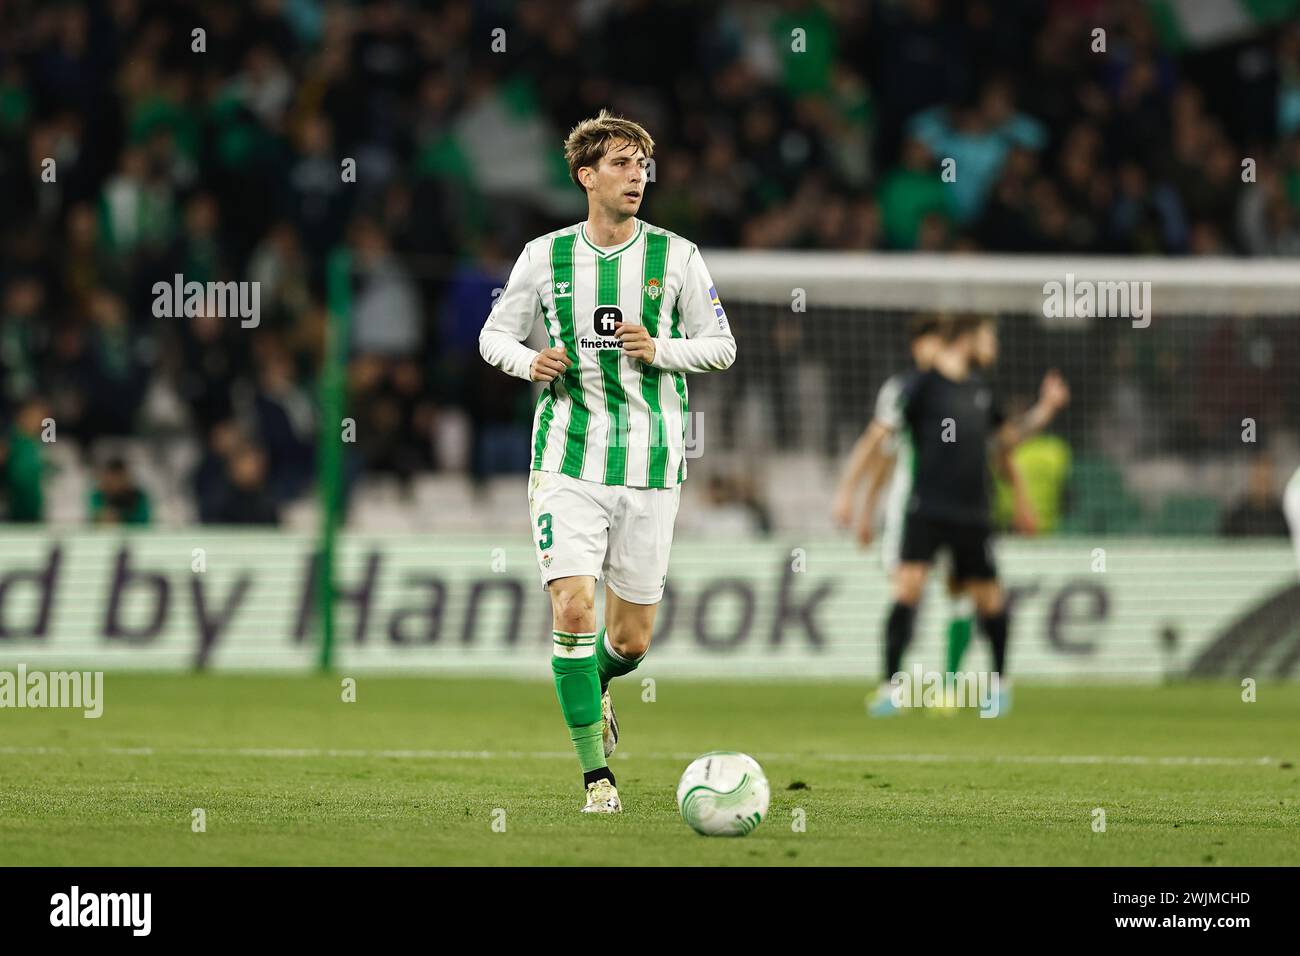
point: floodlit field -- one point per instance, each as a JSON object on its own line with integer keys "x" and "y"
{"x": 418, "y": 771}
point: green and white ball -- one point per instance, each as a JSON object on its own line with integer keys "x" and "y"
{"x": 723, "y": 793}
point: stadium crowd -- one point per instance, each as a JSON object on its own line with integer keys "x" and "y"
{"x": 218, "y": 155}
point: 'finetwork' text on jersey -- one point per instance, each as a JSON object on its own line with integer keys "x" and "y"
{"x": 610, "y": 418}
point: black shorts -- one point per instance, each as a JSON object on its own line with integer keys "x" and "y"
{"x": 970, "y": 545}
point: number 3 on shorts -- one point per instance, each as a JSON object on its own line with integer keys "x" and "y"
{"x": 544, "y": 525}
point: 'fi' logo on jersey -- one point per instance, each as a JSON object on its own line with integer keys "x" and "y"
{"x": 605, "y": 318}
{"x": 653, "y": 289}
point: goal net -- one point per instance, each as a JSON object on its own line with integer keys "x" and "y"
{"x": 1185, "y": 377}
{"x": 1162, "y": 544}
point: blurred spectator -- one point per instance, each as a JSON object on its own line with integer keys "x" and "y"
{"x": 210, "y": 477}
{"x": 117, "y": 499}
{"x": 242, "y": 496}
{"x": 911, "y": 194}
{"x": 23, "y": 463}
{"x": 393, "y": 418}
{"x": 977, "y": 137}
{"x": 286, "y": 424}
{"x": 24, "y": 334}
{"x": 386, "y": 307}
{"x": 1259, "y": 512}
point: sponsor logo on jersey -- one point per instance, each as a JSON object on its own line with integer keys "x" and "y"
{"x": 562, "y": 289}
{"x": 604, "y": 319}
{"x": 717, "y": 307}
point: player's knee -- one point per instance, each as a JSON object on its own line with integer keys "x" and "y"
{"x": 907, "y": 593}
{"x": 630, "y": 641}
{"x": 908, "y": 587}
{"x": 574, "y": 611}
{"x": 988, "y": 600}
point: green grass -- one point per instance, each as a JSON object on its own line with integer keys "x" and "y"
{"x": 912, "y": 790}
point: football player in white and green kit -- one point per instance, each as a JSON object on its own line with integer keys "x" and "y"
{"x": 628, "y": 309}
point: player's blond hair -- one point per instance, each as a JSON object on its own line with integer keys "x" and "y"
{"x": 589, "y": 141}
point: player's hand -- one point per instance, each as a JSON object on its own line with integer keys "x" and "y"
{"x": 842, "y": 510}
{"x": 637, "y": 342}
{"x": 1024, "y": 521}
{"x": 1054, "y": 393}
{"x": 864, "y": 532}
{"x": 549, "y": 363}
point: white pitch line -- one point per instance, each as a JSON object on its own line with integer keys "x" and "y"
{"x": 282, "y": 752}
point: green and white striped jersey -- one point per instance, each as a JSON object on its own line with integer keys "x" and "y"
{"x": 889, "y": 412}
{"x": 610, "y": 418}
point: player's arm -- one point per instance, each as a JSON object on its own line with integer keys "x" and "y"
{"x": 862, "y": 461}
{"x": 1004, "y": 465}
{"x": 708, "y": 346}
{"x": 872, "y": 445}
{"x": 882, "y": 468}
{"x": 1053, "y": 395}
{"x": 511, "y": 321}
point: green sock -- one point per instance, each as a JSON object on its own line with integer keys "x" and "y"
{"x": 577, "y": 685}
{"x": 959, "y": 631}
{"x": 611, "y": 665}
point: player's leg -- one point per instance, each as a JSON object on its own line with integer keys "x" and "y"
{"x": 620, "y": 646}
{"x": 974, "y": 564}
{"x": 571, "y": 529}
{"x": 961, "y": 613}
{"x": 957, "y": 634}
{"x": 573, "y": 664}
{"x": 990, "y": 612}
{"x": 908, "y": 586}
{"x": 625, "y": 637}
{"x": 636, "y": 571}
{"x": 915, "y": 555}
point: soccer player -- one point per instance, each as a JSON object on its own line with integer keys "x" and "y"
{"x": 628, "y": 308}
{"x": 882, "y": 456}
{"x": 949, "y": 416}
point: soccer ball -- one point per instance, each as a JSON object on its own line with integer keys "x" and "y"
{"x": 723, "y": 793}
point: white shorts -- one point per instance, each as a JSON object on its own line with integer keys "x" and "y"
{"x": 612, "y": 531}
{"x": 891, "y": 541}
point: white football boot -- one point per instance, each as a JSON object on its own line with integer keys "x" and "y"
{"x": 602, "y": 797}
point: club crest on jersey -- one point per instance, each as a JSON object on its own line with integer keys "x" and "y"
{"x": 653, "y": 289}
{"x": 604, "y": 319}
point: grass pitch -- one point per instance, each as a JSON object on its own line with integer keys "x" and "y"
{"x": 418, "y": 771}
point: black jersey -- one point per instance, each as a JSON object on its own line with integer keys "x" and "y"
{"x": 948, "y": 426}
